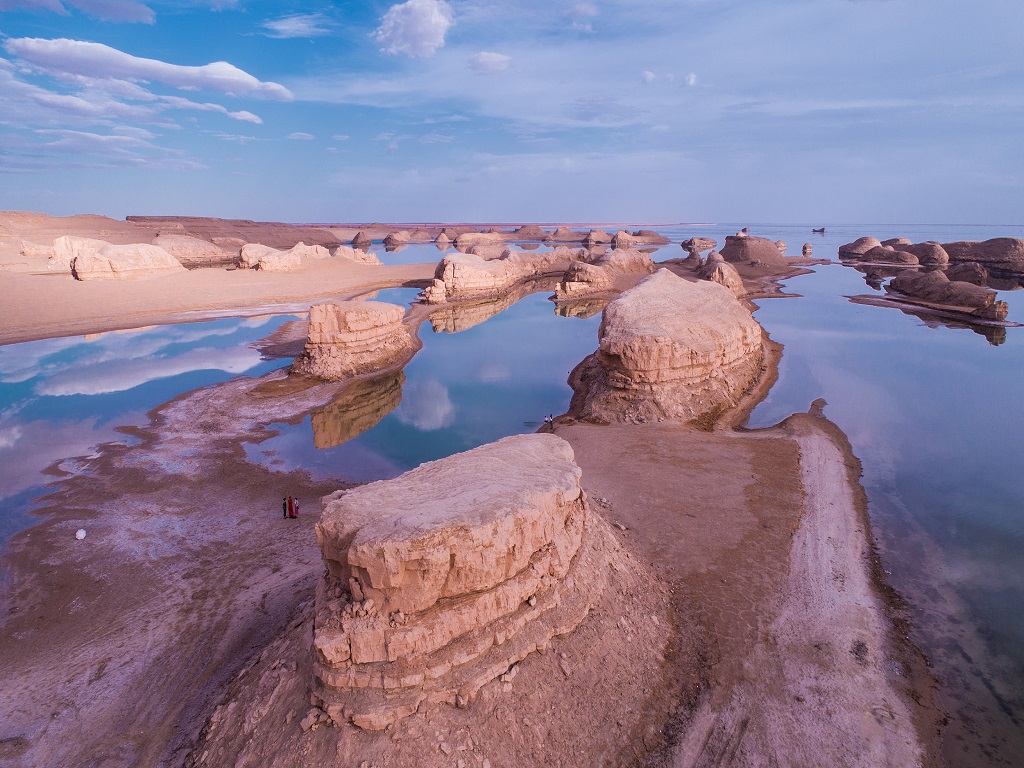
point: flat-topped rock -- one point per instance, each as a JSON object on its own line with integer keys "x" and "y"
{"x": 350, "y": 338}
{"x": 125, "y": 262}
{"x": 741, "y": 249}
{"x": 698, "y": 244}
{"x": 1002, "y": 254}
{"x": 669, "y": 349}
{"x": 441, "y": 579}
{"x": 624, "y": 239}
{"x": 936, "y": 288}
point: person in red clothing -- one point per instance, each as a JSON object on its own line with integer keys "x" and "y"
{"x": 291, "y": 507}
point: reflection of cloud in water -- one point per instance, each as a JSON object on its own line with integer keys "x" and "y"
{"x": 426, "y": 405}
{"x": 119, "y": 376}
{"x": 44, "y": 442}
{"x": 21, "y": 362}
{"x": 9, "y": 436}
{"x": 492, "y": 372}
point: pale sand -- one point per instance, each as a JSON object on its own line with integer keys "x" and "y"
{"x": 116, "y": 650}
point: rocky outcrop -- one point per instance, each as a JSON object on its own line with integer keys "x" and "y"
{"x": 722, "y": 272}
{"x": 396, "y": 239}
{"x": 745, "y": 249}
{"x": 267, "y": 259}
{"x": 441, "y": 580}
{"x": 698, "y": 244}
{"x": 462, "y": 276}
{"x": 464, "y": 240}
{"x": 934, "y": 288}
{"x": 1000, "y": 254}
{"x": 596, "y": 237}
{"x": 68, "y": 248}
{"x": 359, "y": 408}
{"x": 930, "y": 254}
{"x": 807, "y": 250}
{"x": 125, "y": 262}
{"x": 895, "y": 242}
{"x": 357, "y": 255}
{"x": 194, "y": 253}
{"x": 858, "y": 247}
{"x": 350, "y": 338}
{"x": 781, "y": 246}
{"x": 361, "y": 240}
{"x": 599, "y": 274}
{"x": 528, "y": 232}
{"x": 442, "y": 241}
{"x": 968, "y": 272}
{"x": 885, "y": 254}
{"x": 624, "y": 239}
{"x": 669, "y": 349}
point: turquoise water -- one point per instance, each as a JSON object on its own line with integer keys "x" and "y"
{"x": 933, "y": 411}
{"x": 61, "y": 398}
{"x": 461, "y": 390}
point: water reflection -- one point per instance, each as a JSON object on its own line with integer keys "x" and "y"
{"x": 455, "y": 318}
{"x": 358, "y": 408}
{"x": 581, "y": 308}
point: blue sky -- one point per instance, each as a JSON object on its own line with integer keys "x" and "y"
{"x": 809, "y": 111}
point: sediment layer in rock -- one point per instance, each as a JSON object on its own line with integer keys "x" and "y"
{"x": 440, "y": 580}
{"x": 350, "y": 338}
{"x": 598, "y": 274}
{"x": 669, "y": 349}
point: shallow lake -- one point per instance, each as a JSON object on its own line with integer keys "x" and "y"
{"x": 933, "y": 412}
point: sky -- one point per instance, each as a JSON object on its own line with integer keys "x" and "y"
{"x": 664, "y": 111}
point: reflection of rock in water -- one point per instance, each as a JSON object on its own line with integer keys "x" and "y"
{"x": 581, "y": 308}
{"x": 464, "y": 315}
{"x": 993, "y": 331}
{"x": 358, "y": 408}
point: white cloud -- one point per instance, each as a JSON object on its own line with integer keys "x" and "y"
{"x": 487, "y": 62}
{"x": 425, "y": 405}
{"x": 691, "y": 79}
{"x": 301, "y": 136}
{"x": 78, "y": 58}
{"x": 340, "y": 137}
{"x": 298, "y": 25}
{"x": 415, "y": 28}
{"x": 647, "y": 77}
{"x": 109, "y": 10}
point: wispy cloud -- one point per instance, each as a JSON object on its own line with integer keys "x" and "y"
{"x": 488, "y": 62}
{"x": 298, "y": 25}
{"x": 301, "y": 136}
{"x": 416, "y": 28}
{"x": 108, "y": 10}
{"x": 78, "y": 58}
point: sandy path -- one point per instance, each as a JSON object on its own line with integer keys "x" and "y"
{"x": 43, "y": 306}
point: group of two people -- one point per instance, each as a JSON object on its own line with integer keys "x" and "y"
{"x": 289, "y": 508}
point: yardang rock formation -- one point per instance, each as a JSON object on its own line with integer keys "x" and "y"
{"x": 671, "y": 350}
{"x": 442, "y": 579}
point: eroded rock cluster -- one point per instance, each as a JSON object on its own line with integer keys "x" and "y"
{"x": 443, "y": 579}
{"x": 670, "y": 349}
{"x": 936, "y": 288}
{"x": 123, "y": 262}
{"x": 1001, "y": 254}
{"x": 461, "y": 276}
{"x": 598, "y": 273}
{"x": 350, "y": 338}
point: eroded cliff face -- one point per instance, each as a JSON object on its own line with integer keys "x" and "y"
{"x": 440, "y": 580}
{"x": 351, "y": 338}
{"x": 124, "y": 262}
{"x": 669, "y": 350}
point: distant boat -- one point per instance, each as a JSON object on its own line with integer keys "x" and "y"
{"x": 819, "y": 231}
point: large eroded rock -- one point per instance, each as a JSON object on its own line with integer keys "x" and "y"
{"x": 193, "y": 252}
{"x": 741, "y": 249}
{"x": 671, "y": 350}
{"x": 350, "y": 338}
{"x": 937, "y": 289}
{"x": 125, "y": 262}
{"x": 1003, "y": 254}
{"x": 461, "y": 276}
{"x": 439, "y": 580}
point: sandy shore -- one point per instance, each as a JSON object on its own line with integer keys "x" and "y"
{"x": 117, "y": 650}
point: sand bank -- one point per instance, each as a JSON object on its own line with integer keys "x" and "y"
{"x": 179, "y": 628}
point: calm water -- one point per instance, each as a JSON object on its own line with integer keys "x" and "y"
{"x": 934, "y": 413}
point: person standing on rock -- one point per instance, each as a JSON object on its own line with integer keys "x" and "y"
{"x": 284, "y": 508}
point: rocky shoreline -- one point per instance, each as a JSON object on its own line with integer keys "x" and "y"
{"x": 700, "y": 646}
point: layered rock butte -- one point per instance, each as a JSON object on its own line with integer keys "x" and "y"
{"x": 439, "y": 581}
{"x": 351, "y": 338}
{"x": 669, "y": 349}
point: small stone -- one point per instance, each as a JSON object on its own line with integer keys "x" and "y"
{"x": 620, "y": 526}
{"x": 368, "y": 605}
{"x": 309, "y": 721}
{"x": 445, "y": 747}
{"x": 532, "y": 601}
